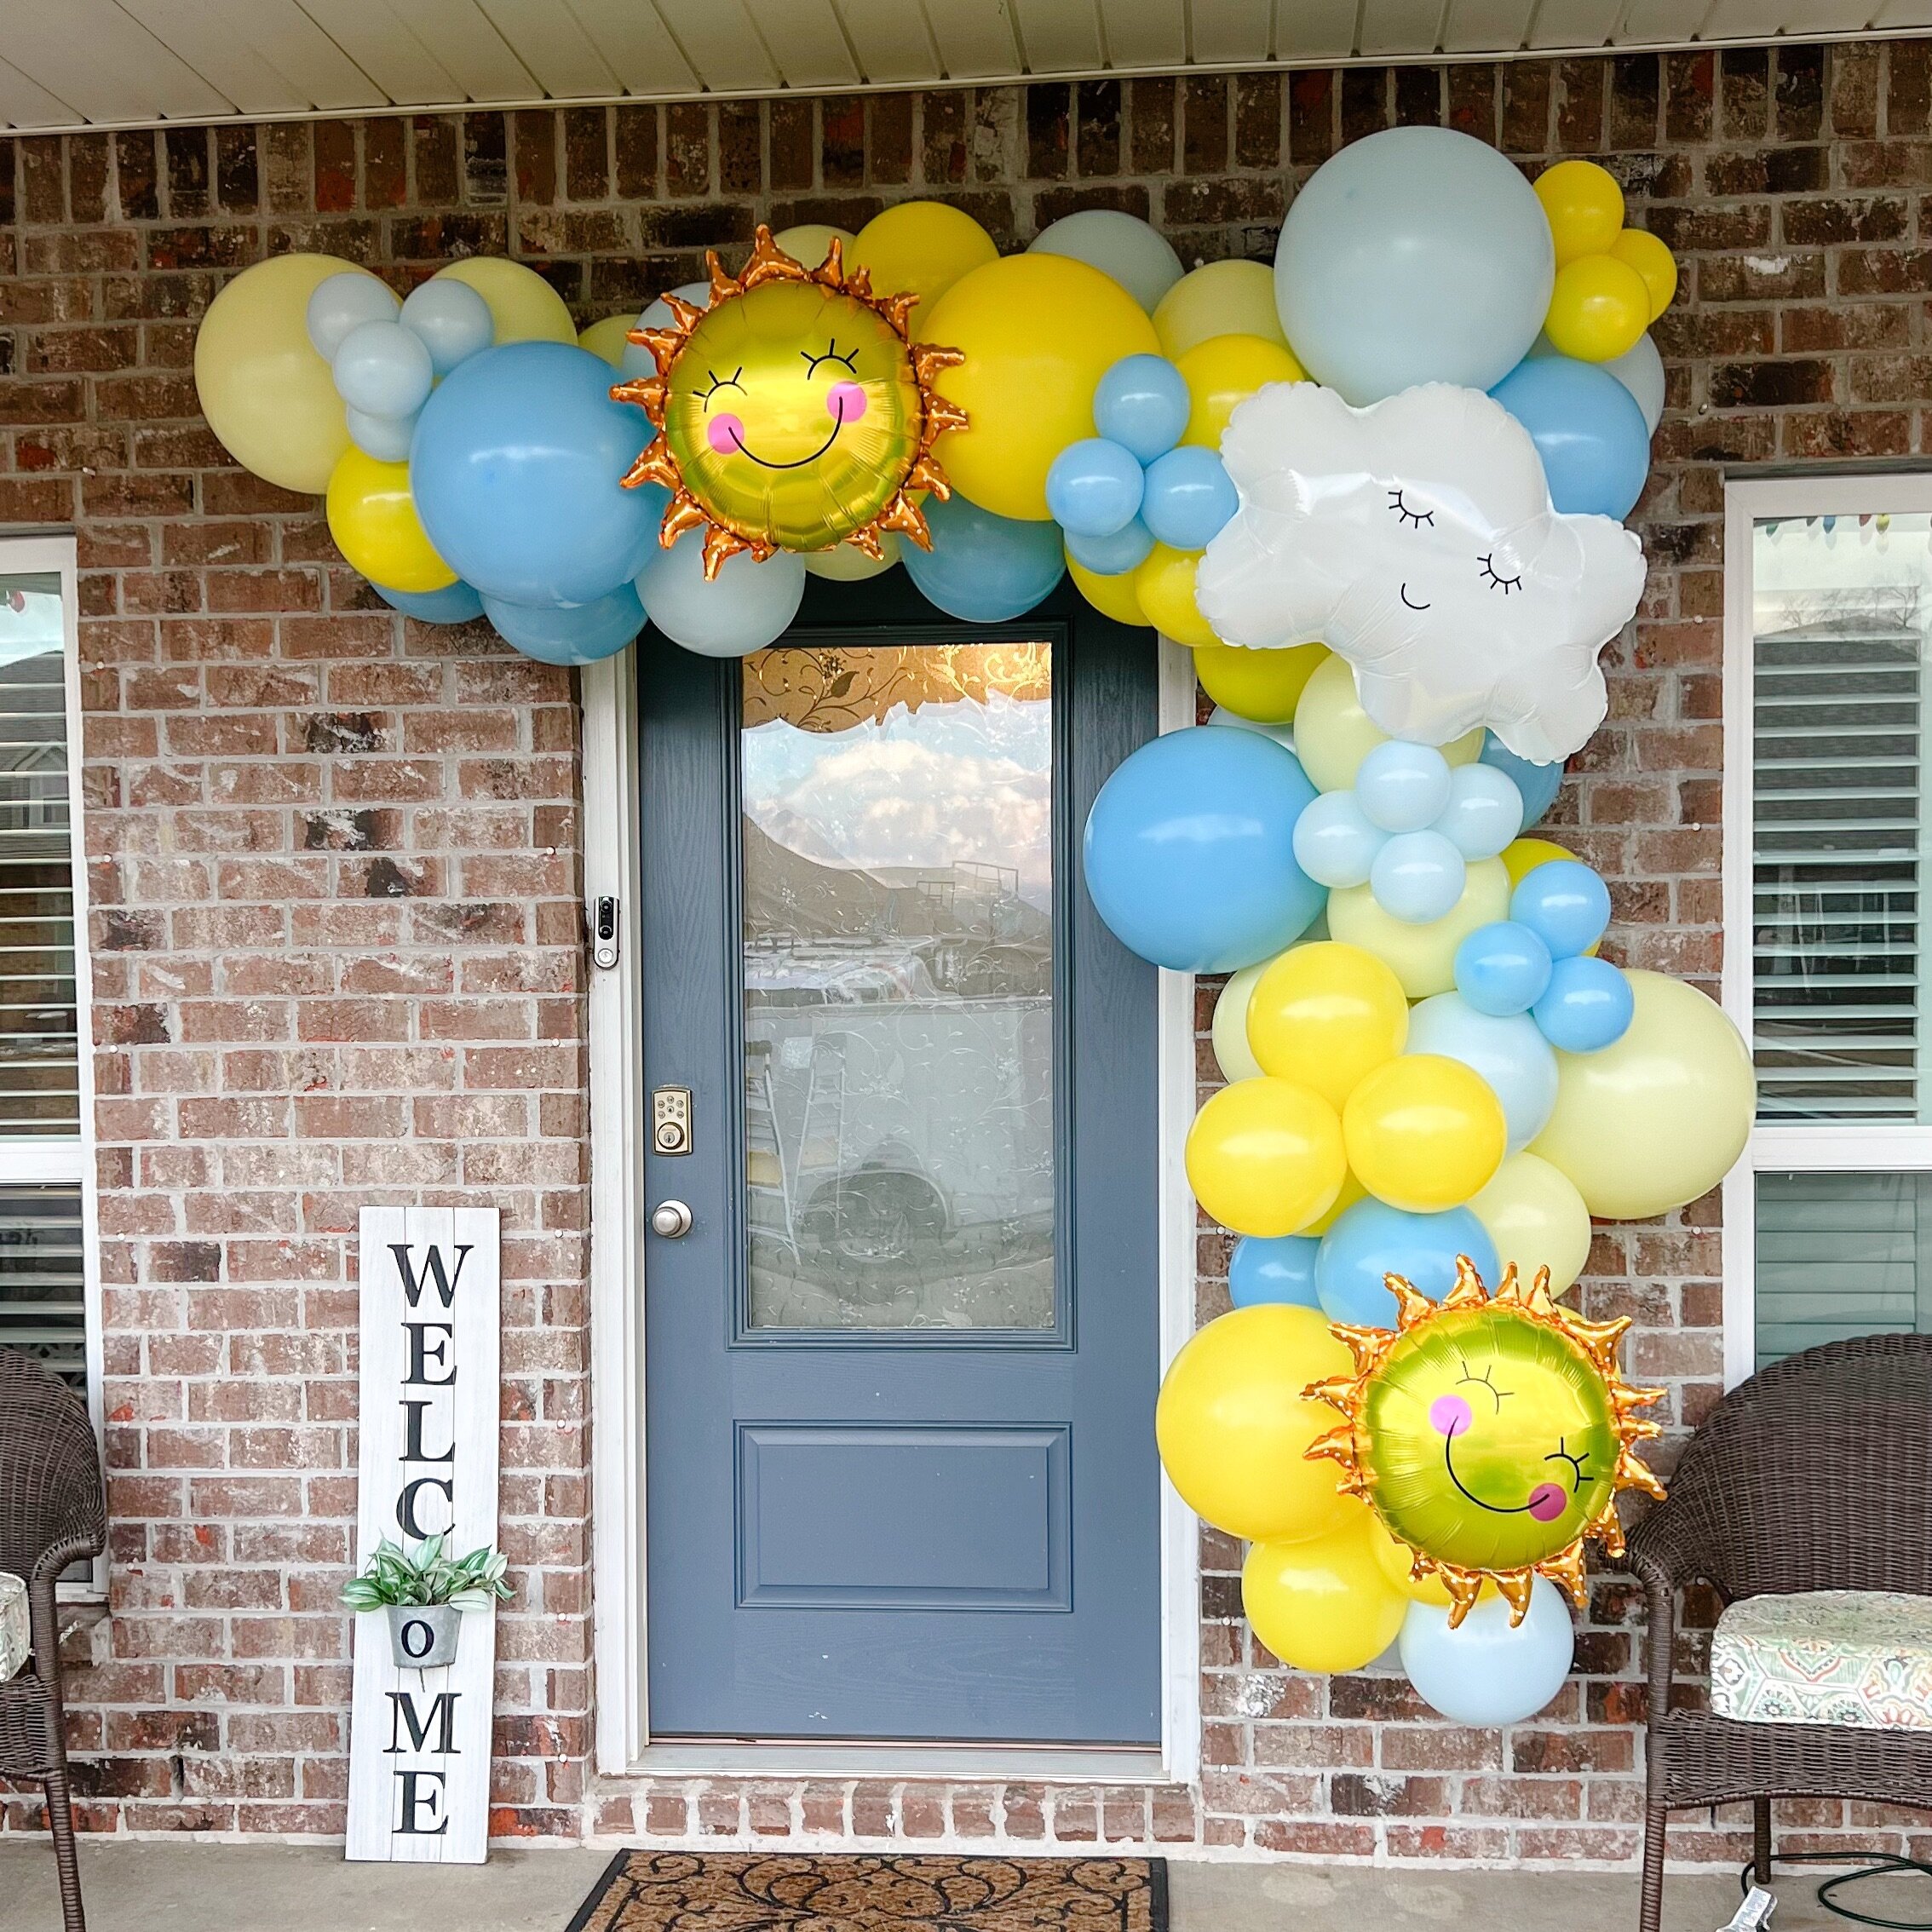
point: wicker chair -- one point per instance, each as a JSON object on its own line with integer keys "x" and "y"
{"x": 1814, "y": 1474}
{"x": 51, "y": 1512}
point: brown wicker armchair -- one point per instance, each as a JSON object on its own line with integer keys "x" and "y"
{"x": 51, "y": 1512}
{"x": 1814, "y": 1474}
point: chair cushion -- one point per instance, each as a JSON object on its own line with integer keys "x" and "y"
{"x": 1825, "y": 1657}
{"x": 15, "y": 1641}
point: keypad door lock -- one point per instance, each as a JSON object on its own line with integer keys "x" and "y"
{"x": 670, "y": 1120}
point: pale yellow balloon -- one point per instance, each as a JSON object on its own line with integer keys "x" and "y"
{"x": 1536, "y": 1217}
{"x": 809, "y": 242}
{"x": 1323, "y": 1603}
{"x": 1423, "y": 956}
{"x": 1659, "y": 1117}
{"x": 525, "y": 307}
{"x": 1333, "y": 734}
{"x": 1222, "y": 298}
{"x": 268, "y": 396}
{"x": 846, "y": 563}
{"x": 606, "y": 340}
{"x": 1111, "y": 596}
{"x": 1232, "y": 1053}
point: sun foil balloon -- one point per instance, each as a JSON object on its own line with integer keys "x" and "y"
{"x": 1490, "y": 1435}
{"x": 794, "y": 412}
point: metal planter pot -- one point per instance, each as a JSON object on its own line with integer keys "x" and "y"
{"x": 423, "y": 1636}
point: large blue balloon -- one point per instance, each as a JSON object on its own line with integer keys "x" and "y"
{"x": 1274, "y": 1269}
{"x": 515, "y": 470}
{"x": 570, "y": 634}
{"x": 982, "y": 568}
{"x": 1538, "y": 783}
{"x": 1190, "y": 850}
{"x": 1587, "y": 429}
{"x": 1372, "y": 1240}
{"x": 454, "y": 603}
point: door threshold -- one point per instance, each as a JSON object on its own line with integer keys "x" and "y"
{"x": 1113, "y": 1764}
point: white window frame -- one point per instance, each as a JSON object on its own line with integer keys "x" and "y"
{"x": 1846, "y": 1148}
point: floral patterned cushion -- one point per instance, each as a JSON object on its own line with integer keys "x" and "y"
{"x": 14, "y": 1639}
{"x": 1825, "y": 1657}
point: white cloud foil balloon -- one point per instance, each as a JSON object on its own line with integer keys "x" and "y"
{"x": 1416, "y": 539}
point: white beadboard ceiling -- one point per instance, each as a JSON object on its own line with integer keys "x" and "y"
{"x": 93, "y": 63}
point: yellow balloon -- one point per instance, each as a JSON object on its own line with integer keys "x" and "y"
{"x": 1219, "y": 298}
{"x": 1659, "y": 1117}
{"x": 1323, "y": 1604}
{"x": 1038, "y": 331}
{"x": 1264, "y": 1157}
{"x": 1323, "y": 1015}
{"x": 1265, "y": 685}
{"x": 1394, "y": 1558}
{"x": 608, "y": 339}
{"x": 1111, "y": 596}
{"x": 1522, "y": 857}
{"x": 1352, "y": 1192}
{"x": 1227, "y": 369}
{"x": 1423, "y": 956}
{"x": 1229, "y": 1032}
{"x": 1424, "y": 1132}
{"x": 1163, "y": 585}
{"x": 810, "y": 241}
{"x": 920, "y": 248}
{"x": 1333, "y": 734}
{"x": 1599, "y": 308}
{"x": 845, "y": 563}
{"x": 1637, "y": 248}
{"x": 372, "y": 518}
{"x": 1536, "y": 1217}
{"x": 1232, "y": 1423}
{"x": 1584, "y": 207}
{"x": 524, "y": 306}
{"x": 268, "y": 396}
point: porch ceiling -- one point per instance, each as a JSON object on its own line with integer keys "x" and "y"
{"x": 89, "y": 63}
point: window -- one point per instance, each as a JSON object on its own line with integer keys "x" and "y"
{"x": 1828, "y": 840}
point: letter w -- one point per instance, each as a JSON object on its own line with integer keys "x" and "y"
{"x": 446, "y": 1283}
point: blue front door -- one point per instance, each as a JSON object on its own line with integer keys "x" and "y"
{"x": 900, "y": 1371}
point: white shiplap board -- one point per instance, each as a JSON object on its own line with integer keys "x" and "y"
{"x": 806, "y": 42}
{"x": 1475, "y": 26}
{"x": 103, "y": 62}
{"x": 1575, "y": 23}
{"x": 1232, "y": 33}
{"x": 378, "y": 40}
{"x": 1062, "y": 36}
{"x": 719, "y": 41}
{"x": 1141, "y": 36}
{"x": 25, "y": 103}
{"x": 637, "y": 46}
{"x": 976, "y": 38}
{"x": 205, "y": 36}
{"x": 465, "y": 43}
{"x": 1399, "y": 29}
{"x": 1314, "y": 30}
{"x": 553, "y": 46}
{"x": 895, "y": 45}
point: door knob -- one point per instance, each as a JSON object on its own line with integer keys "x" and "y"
{"x": 670, "y": 1219}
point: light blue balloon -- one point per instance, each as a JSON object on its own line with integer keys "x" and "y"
{"x": 982, "y": 568}
{"x": 453, "y": 321}
{"x": 454, "y": 603}
{"x": 1402, "y": 787}
{"x": 1538, "y": 783}
{"x": 1417, "y": 877}
{"x": 386, "y": 438}
{"x": 381, "y": 369}
{"x": 1482, "y": 1672}
{"x": 515, "y": 471}
{"x": 569, "y": 634}
{"x": 1587, "y": 1006}
{"x": 344, "y": 302}
{"x": 1503, "y": 968}
{"x": 1485, "y": 811}
{"x": 1587, "y": 428}
{"x": 1278, "y": 1268}
{"x": 1334, "y": 844}
{"x": 1509, "y": 1051}
{"x": 1094, "y": 488}
{"x": 747, "y": 606}
{"x": 1189, "y": 497}
{"x": 1142, "y": 404}
{"x": 1109, "y": 556}
{"x": 1189, "y": 851}
{"x": 1372, "y": 1240}
{"x": 1565, "y": 904}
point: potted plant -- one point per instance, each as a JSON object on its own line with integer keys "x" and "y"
{"x": 426, "y": 1593}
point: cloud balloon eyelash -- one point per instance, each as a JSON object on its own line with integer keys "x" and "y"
{"x": 1494, "y": 577}
{"x": 1416, "y": 518}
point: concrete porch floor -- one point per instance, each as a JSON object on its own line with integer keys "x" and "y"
{"x": 159, "y": 1887}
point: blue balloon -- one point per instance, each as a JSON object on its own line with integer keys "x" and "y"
{"x": 982, "y": 568}
{"x": 1108, "y": 556}
{"x": 1094, "y": 488}
{"x": 1512, "y": 1058}
{"x": 454, "y": 603}
{"x": 1485, "y": 812}
{"x": 1189, "y": 497}
{"x": 1281, "y": 1269}
{"x": 516, "y": 469}
{"x": 1402, "y": 787}
{"x": 1334, "y": 844}
{"x": 1538, "y": 783}
{"x": 1417, "y": 877}
{"x": 1503, "y": 968}
{"x": 1190, "y": 850}
{"x": 1485, "y": 1672}
{"x": 1142, "y": 404}
{"x": 1565, "y": 904}
{"x": 1372, "y": 1240}
{"x": 569, "y": 634}
{"x": 1587, "y": 429}
{"x": 1587, "y": 1008}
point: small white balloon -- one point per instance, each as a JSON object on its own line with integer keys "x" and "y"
{"x": 1138, "y": 256}
{"x": 1485, "y": 812}
{"x": 384, "y": 369}
{"x": 638, "y": 361}
{"x": 453, "y": 322}
{"x": 386, "y": 438}
{"x": 342, "y": 302}
{"x": 1640, "y": 371}
{"x": 1484, "y": 1672}
{"x": 746, "y": 606}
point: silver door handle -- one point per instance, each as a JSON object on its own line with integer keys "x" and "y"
{"x": 671, "y": 1220}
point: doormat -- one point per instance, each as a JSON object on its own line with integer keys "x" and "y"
{"x": 753, "y": 1892}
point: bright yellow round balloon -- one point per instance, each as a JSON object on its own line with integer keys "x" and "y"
{"x": 1637, "y": 248}
{"x": 1229, "y": 1032}
{"x": 1424, "y": 1132}
{"x": 1599, "y": 308}
{"x": 524, "y": 306}
{"x": 1219, "y": 298}
{"x": 1536, "y": 1217}
{"x": 1323, "y": 1015}
{"x": 810, "y": 241}
{"x": 1038, "y": 331}
{"x": 1394, "y": 1558}
{"x": 1111, "y": 596}
{"x": 268, "y": 396}
{"x": 372, "y": 518}
{"x": 1264, "y": 1157}
{"x": 1164, "y": 586}
{"x": 920, "y": 248}
{"x": 1233, "y": 1424}
{"x": 608, "y": 340}
{"x": 1659, "y": 1116}
{"x": 1265, "y": 685}
{"x": 1522, "y": 857}
{"x": 1333, "y": 734}
{"x": 1584, "y": 206}
{"x": 1423, "y": 957}
{"x": 1323, "y": 1604}
{"x": 1227, "y": 369}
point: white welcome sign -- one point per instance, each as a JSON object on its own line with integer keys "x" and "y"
{"x": 419, "y": 1740}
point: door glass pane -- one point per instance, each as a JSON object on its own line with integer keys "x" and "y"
{"x": 42, "y": 1307}
{"x": 897, "y": 960}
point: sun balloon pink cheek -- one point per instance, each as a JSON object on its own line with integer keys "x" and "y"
{"x": 725, "y": 434}
{"x": 1547, "y": 1502}
{"x": 845, "y": 402}
{"x": 1449, "y": 1415}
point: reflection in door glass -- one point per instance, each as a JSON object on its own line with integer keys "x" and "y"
{"x": 898, "y": 951}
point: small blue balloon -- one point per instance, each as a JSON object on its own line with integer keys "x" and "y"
{"x": 454, "y": 603}
{"x": 1417, "y": 877}
{"x": 1485, "y": 811}
{"x": 1587, "y": 428}
{"x": 1587, "y": 1006}
{"x": 1278, "y": 1268}
{"x": 1538, "y": 783}
{"x": 1512, "y": 1058}
{"x": 1565, "y": 904}
{"x": 1372, "y": 1240}
{"x": 1402, "y": 787}
{"x": 1189, "y": 497}
{"x": 1334, "y": 844}
{"x": 982, "y": 568}
{"x": 1109, "y": 556}
{"x": 1142, "y": 404}
{"x": 1189, "y": 851}
{"x": 570, "y": 634}
{"x": 1503, "y": 968}
{"x": 1094, "y": 488}
{"x": 384, "y": 369}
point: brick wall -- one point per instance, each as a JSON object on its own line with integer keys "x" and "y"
{"x": 334, "y": 864}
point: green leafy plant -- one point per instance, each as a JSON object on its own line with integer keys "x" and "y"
{"x": 428, "y": 1576}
